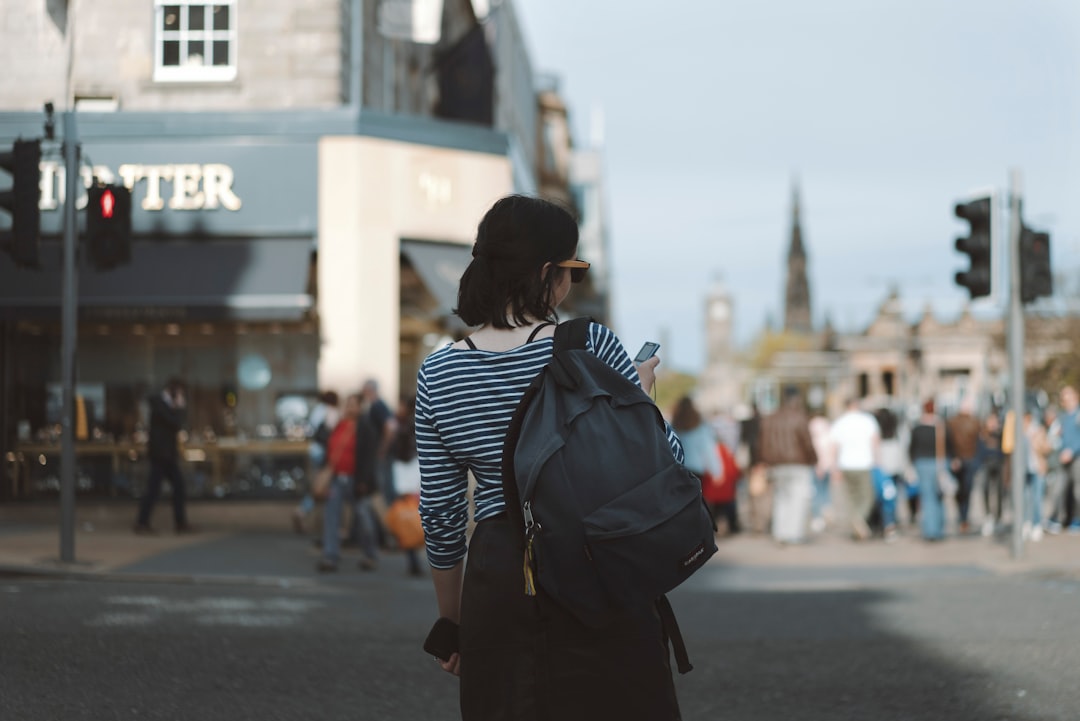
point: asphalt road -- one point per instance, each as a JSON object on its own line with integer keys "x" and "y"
{"x": 767, "y": 643}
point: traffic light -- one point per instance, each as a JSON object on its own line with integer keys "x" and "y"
{"x": 978, "y": 278}
{"x": 108, "y": 225}
{"x": 21, "y": 200}
{"x": 1036, "y": 279}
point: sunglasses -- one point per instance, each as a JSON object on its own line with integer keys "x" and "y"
{"x": 577, "y": 267}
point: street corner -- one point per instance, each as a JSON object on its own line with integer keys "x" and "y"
{"x": 36, "y": 550}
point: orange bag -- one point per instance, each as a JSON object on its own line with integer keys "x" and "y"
{"x": 403, "y": 520}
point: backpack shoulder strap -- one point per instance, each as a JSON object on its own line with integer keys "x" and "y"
{"x": 572, "y": 334}
{"x": 673, "y": 634}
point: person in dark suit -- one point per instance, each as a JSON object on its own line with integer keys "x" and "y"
{"x": 168, "y": 412}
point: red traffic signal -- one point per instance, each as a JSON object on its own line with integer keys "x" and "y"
{"x": 108, "y": 226}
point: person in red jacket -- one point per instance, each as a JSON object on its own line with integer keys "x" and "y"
{"x": 351, "y": 455}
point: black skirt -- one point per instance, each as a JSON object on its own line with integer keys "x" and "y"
{"x": 525, "y": 658}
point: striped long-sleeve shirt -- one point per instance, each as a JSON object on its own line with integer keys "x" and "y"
{"x": 464, "y": 401}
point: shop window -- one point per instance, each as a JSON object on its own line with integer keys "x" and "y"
{"x": 888, "y": 380}
{"x": 194, "y": 41}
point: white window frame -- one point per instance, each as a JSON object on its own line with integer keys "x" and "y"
{"x": 183, "y": 72}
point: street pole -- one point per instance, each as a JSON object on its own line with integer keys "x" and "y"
{"x": 1016, "y": 365}
{"x": 67, "y": 344}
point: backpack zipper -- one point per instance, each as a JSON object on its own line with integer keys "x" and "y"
{"x": 530, "y": 530}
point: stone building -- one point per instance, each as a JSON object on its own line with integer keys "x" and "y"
{"x": 306, "y": 179}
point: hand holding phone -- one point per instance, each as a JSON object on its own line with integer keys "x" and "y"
{"x": 442, "y": 641}
{"x": 647, "y": 351}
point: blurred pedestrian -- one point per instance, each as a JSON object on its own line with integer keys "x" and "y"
{"x": 168, "y": 412}
{"x": 518, "y": 651}
{"x": 321, "y": 422}
{"x": 994, "y": 463}
{"x": 698, "y": 441}
{"x": 962, "y": 445}
{"x": 855, "y": 439}
{"x": 1069, "y": 455}
{"x": 1038, "y": 448}
{"x": 1055, "y": 473}
{"x": 385, "y": 423}
{"x": 406, "y": 482}
{"x": 350, "y": 455}
{"x": 723, "y": 499}
{"x": 819, "y": 434}
{"x": 788, "y": 452}
{"x": 927, "y": 452}
{"x": 892, "y": 462}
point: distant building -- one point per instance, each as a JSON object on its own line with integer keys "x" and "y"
{"x": 892, "y": 363}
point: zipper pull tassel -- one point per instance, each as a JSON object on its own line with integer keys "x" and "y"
{"x": 530, "y": 580}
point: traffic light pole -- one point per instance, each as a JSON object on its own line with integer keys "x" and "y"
{"x": 1016, "y": 366}
{"x": 67, "y": 343}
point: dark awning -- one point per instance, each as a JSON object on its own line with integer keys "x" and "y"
{"x": 258, "y": 279}
{"x": 440, "y": 266}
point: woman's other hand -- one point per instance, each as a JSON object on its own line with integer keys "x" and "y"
{"x": 453, "y": 665}
{"x": 647, "y": 373}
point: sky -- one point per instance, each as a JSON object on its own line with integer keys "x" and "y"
{"x": 886, "y": 112}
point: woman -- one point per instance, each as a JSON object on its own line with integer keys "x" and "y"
{"x": 698, "y": 440}
{"x": 520, "y": 656}
{"x": 926, "y": 450}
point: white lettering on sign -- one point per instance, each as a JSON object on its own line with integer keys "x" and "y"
{"x": 187, "y": 186}
{"x": 437, "y": 190}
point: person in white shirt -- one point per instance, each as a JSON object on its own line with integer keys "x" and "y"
{"x": 856, "y": 440}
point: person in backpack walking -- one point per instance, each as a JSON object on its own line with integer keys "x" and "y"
{"x": 520, "y": 656}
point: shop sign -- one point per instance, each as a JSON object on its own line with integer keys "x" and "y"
{"x": 213, "y": 188}
{"x": 186, "y": 186}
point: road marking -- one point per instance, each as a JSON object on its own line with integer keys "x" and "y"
{"x": 210, "y": 611}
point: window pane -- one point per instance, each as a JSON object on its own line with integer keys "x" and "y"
{"x": 171, "y": 54}
{"x": 221, "y": 17}
{"x": 196, "y": 53}
{"x": 171, "y": 15}
{"x": 196, "y": 17}
{"x": 221, "y": 52}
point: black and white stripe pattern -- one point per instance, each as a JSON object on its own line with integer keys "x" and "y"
{"x": 464, "y": 401}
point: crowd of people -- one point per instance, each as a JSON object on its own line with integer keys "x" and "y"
{"x": 872, "y": 472}
{"x": 368, "y": 454}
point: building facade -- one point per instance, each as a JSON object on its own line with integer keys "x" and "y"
{"x": 307, "y": 177}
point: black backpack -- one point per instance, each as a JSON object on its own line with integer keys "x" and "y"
{"x": 610, "y": 519}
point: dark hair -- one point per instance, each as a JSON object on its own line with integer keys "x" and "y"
{"x": 928, "y": 406}
{"x": 686, "y": 416}
{"x": 514, "y": 240}
{"x": 330, "y": 398}
{"x": 888, "y": 423}
{"x": 174, "y": 385}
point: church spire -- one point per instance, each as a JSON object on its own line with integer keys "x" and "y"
{"x": 797, "y": 317}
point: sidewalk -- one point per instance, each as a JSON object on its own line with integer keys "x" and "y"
{"x": 254, "y": 542}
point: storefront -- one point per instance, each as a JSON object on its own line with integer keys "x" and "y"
{"x": 271, "y": 261}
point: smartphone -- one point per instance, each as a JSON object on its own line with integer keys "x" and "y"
{"x": 647, "y": 351}
{"x": 442, "y": 641}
